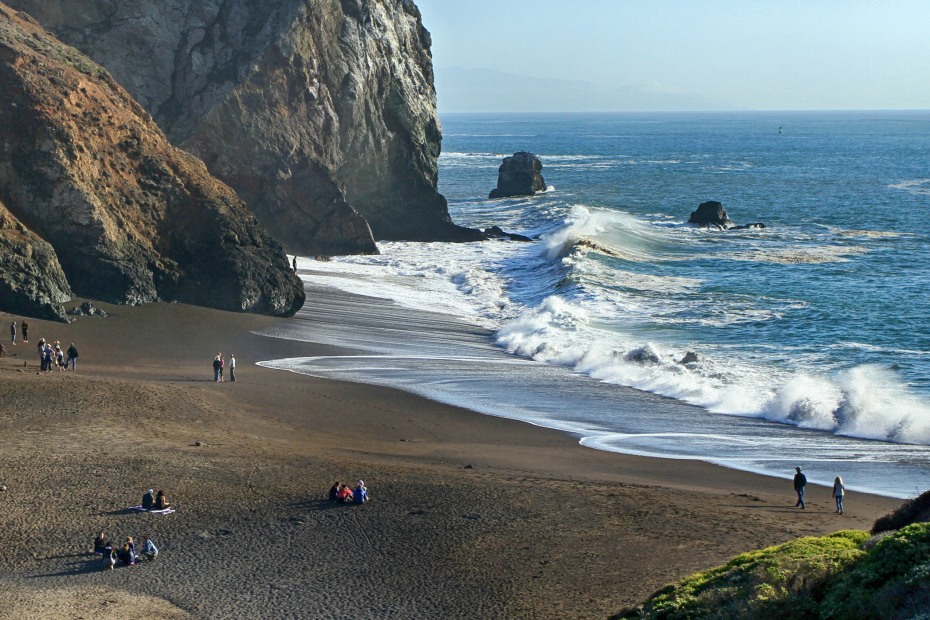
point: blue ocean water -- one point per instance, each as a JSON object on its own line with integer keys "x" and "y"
{"x": 812, "y": 335}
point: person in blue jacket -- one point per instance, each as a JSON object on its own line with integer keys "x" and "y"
{"x": 360, "y": 495}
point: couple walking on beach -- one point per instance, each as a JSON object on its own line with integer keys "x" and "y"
{"x": 800, "y": 482}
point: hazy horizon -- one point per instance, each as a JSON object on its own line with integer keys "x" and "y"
{"x": 716, "y": 55}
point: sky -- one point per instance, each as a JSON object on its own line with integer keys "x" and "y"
{"x": 652, "y": 55}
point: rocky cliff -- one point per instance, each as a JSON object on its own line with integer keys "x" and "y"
{"x": 84, "y": 170}
{"x": 321, "y": 114}
{"x": 32, "y": 282}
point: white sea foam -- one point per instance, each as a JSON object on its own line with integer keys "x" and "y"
{"x": 918, "y": 187}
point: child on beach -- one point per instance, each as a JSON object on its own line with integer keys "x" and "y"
{"x": 109, "y": 556}
{"x": 127, "y": 555}
{"x": 334, "y": 491}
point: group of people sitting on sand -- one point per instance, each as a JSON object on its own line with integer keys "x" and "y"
{"x": 125, "y": 554}
{"x": 156, "y": 501}
{"x": 344, "y": 494}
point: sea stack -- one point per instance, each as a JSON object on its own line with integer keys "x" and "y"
{"x": 92, "y": 190}
{"x": 519, "y": 175}
{"x": 711, "y": 214}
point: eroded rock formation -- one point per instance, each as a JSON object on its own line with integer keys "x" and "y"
{"x": 321, "y": 114}
{"x": 519, "y": 175}
{"x": 711, "y": 214}
{"x": 131, "y": 218}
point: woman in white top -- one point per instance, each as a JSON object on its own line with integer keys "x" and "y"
{"x": 839, "y": 490}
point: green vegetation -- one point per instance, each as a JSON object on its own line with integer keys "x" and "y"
{"x": 843, "y": 575}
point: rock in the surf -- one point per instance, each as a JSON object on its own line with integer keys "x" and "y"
{"x": 711, "y": 214}
{"x": 519, "y": 175}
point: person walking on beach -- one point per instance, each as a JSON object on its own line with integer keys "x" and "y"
{"x": 800, "y": 481}
{"x": 25, "y": 328}
{"x": 72, "y": 357}
{"x": 839, "y": 490}
{"x": 216, "y": 368}
{"x": 232, "y": 367}
{"x": 13, "y": 332}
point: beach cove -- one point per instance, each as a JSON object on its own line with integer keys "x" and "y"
{"x": 471, "y": 516}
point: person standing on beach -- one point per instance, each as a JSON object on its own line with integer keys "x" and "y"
{"x": 839, "y": 490}
{"x": 800, "y": 481}
{"x": 216, "y": 368}
{"x": 222, "y": 366}
{"x": 25, "y": 327}
{"x": 294, "y": 264}
{"x": 232, "y": 367}
{"x": 13, "y": 332}
{"x": 72, "y": 357}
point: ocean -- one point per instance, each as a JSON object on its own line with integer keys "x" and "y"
{"x": 812, "y": 335}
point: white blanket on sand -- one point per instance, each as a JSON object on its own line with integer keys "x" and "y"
{"x": 166, "y": 511}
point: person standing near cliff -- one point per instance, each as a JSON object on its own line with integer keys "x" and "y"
{"x": 13, "y": 332}
{"x": 25, "y": 327}
{"x": 295, "y": 263}
{"x": 232, "y": 367}
{"x": 800, "y": 481}
{"x": 216, "y": 368}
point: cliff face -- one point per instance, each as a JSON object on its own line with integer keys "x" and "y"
{"x": 131, "y": 218}
{"x": 31, "y": 280}
{"x": 321, "y": 114}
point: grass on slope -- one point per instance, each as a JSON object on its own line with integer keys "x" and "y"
{"x": 843, "y": 575}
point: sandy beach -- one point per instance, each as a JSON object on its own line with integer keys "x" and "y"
{"x": 471, "y": 516}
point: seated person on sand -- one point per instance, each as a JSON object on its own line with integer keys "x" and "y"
{"x": 148, "y": 500}
{"x": 100, "y": 542}
{"x": 360, "y": 495}
{"x": 149, "y": 550}
{"x": 126, "y": 555}
{"x": 161, "y": 502}
{"x": 334, "y": 492}
{"x": 345, "y": 494}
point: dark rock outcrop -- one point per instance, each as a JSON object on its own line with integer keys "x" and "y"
{"x": 32, "y": 282}
{"x": 321, "y": 114}
{"x": 495, "y": 232}
{"x": 132, "y": 219}
{"x": 519, "y": 175}
{"x": 711, "y": 214}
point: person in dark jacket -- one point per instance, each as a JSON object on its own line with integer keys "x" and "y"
{"x": 217, "y": 365}
{"x": 72, "y": 357}
{"x": 148, "y": 500}
{"x": 800, "y": 481}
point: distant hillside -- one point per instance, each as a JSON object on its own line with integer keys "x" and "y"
{"x": 483, "y": 90}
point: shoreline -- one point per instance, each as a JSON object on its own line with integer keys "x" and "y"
{"x": 471, "y": 516}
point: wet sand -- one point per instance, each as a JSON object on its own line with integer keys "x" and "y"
{"x": 471, "y": 516}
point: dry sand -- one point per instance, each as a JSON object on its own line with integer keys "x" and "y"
{"x": 471, "y": 516}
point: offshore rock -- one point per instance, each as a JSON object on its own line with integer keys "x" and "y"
{"x": 32, "y": 282}
{"x": 711, "y": 214}
{"x": 519, "y": 175}
{"x": 321, "y": 114}
{"x": 131, "y": 218}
